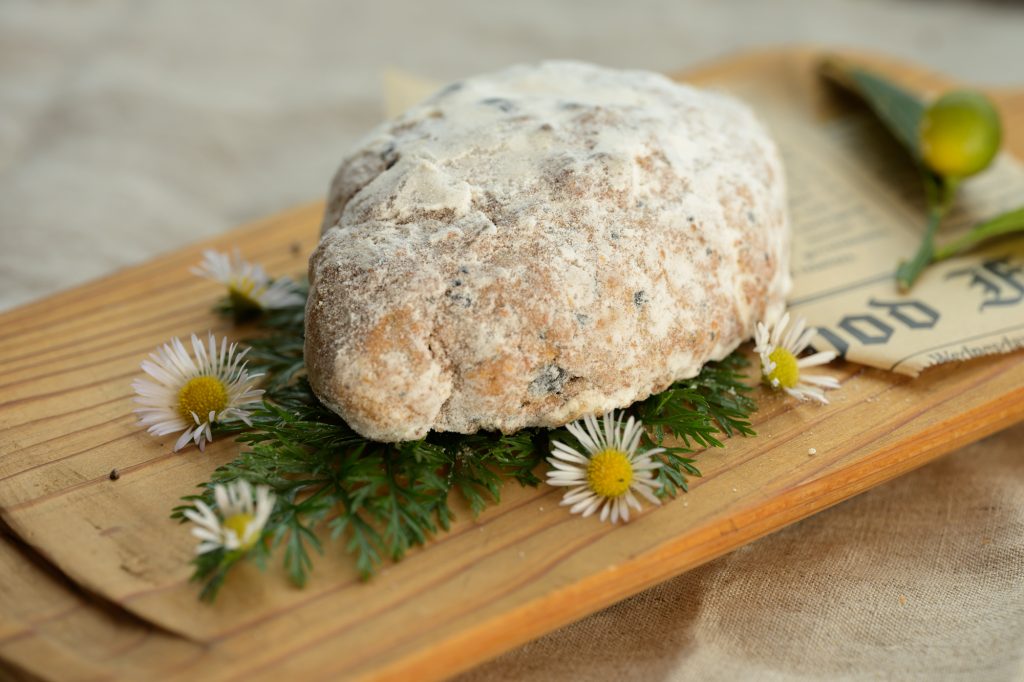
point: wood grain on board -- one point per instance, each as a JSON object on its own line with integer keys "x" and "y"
{"x": 96, "y": 575}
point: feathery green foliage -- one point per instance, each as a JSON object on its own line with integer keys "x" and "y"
{"x": 381, "y": 499}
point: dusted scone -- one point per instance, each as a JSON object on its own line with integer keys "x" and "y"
{"x": 533, "y": 245}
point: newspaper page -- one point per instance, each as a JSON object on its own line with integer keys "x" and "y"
{"x": 857, "y": 209}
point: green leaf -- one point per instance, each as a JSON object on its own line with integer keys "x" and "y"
{"x": 939, "y": 196}
{"x": 695, "y": 410}
{"x": 899, "y": 109}
{"x": 1000, "y": 226}
{"x": 378, "y": 500}
{"x": 297, "y": 560}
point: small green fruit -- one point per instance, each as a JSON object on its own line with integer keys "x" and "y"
{"x": 960, "y": 134}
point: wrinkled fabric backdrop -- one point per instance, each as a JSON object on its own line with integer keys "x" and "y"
{"x": 130, "y": 128}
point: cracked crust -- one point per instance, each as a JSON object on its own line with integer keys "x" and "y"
{"x": 533, "y": 245}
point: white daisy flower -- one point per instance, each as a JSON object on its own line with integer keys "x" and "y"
{"x": 191, "y": 394}
{"x": 609, "y": 472}
{"x": 249, "y": 286}
{"x": 779, "y": 348}
{"x": 238, "y": 522}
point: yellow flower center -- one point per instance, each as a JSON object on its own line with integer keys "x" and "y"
{"x": 609, "y": 473}
{"x": 244, "y": 294}
{"x": 786, "y": 371}
{"x": 202, "y": 395}
{"x": 238, "y": 523}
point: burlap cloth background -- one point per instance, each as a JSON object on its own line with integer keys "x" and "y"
{"x": 130, "y": 128}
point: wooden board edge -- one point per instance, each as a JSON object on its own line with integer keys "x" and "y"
{"x": 558, "y": 609}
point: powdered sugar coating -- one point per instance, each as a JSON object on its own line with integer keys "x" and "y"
{"x": 533, "y": 245}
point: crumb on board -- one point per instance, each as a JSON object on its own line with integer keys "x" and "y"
{"x": 114, "y": 474}
{"x": 812, "y": 451}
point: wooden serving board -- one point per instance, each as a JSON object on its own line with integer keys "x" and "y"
{"x": 96, "y": 575}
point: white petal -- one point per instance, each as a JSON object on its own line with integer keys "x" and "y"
{"x": 563, "y": 482}
{"x": 185, "y": 438}
{"x": 820, "y": 358}
{"x": 631, "y": 435}
{"x": 265, "y": 502}
{"x": 203, "y": 517}
{"x": 820, "y": 380}
{"x": 595, "y": 431}
{"x": 648, "y": 466}
{"x": 804, "y": 392}
{"x": 205, "y": 534}
{"x": 780, "y": 327}
{"x": 223, "y": 500}
{"x": 646, "y": 493}
{"x": 583, "y": 505}
{"x": 804, "y": 340}
{"x": 563, "y": 466}
{"x": 646, "y": 478}
{"x": 561, "y": 474}
{"x": 576, "y": 494}
{"x": 609, "y": 429}
{"x": 761, "y": 337}
{"x": 568, "y": 454}
{"x": 582, "y": 436}
{"x": 793, "y": 335}
{"x": 245, "y": 496}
